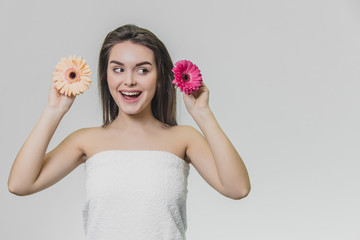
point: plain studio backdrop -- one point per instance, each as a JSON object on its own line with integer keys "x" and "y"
{"x": 284, "y": 80}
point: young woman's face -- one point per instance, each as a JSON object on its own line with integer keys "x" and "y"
{"x": 132, "y": 77}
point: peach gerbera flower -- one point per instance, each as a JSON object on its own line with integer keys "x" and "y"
{"x": 187, "y": 76}
{"x": 72, "y": 76}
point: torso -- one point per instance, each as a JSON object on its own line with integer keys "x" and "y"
{"x": 170, "y": 139}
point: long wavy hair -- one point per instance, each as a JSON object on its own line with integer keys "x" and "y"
{"x": 163, "y": 104}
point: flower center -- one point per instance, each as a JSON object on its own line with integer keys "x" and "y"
{"x": 71, "y": 75}
{"x": 186, "y": 77}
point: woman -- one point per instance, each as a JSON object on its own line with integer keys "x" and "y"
{"x": 137, "y": 162}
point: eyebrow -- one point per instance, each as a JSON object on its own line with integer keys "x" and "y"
{"x": 138, "y": 64}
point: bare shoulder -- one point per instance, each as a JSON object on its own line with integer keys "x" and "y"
{"x": 85, "y": 133}
{"x": 186, "y": 129}
{"x": 85, "y": 138}
{"x": 190, "y": 138}
{"x": 186, "y": 132}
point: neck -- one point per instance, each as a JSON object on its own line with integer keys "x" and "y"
{"x": 135, "y": 122}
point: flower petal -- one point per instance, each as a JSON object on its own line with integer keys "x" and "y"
{"x": 72, "y": 86}
{"x": 186, "y": 67}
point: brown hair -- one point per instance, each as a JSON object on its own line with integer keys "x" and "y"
{"x": 163, "y": 104}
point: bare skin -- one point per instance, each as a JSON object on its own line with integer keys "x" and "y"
{"x": 212, "y": 154}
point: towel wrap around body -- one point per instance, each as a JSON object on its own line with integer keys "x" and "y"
{"x": 135, "y": 194}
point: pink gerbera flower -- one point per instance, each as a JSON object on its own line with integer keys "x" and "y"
{"x": 72, "y": 76}
{"x": 187, "y": 76}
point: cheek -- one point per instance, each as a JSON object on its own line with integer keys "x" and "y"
{"x": 152, "y": 82}
{"x": 111, "y": 81}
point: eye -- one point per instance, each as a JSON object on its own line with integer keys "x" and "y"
{"x": 118, "y": 70}
{"x": 143, "y": 70}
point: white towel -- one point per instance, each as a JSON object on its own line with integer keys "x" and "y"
{"x": 133, "y": 194}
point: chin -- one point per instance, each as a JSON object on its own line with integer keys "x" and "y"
{"x": 131, "y": 110}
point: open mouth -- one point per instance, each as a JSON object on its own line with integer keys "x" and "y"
{"x": 131, "y": 95}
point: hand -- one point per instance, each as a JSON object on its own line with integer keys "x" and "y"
{"x": 198, "y": 101}
{"x": 58, "y": 101}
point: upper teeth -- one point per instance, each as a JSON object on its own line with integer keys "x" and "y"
{"x": 131, "y": 93}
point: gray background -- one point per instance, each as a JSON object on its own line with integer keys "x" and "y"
{"x": 284, "y": 82}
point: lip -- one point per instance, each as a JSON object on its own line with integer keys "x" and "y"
{"x": 129, "y": 90}
{"x": 130, "y": 100}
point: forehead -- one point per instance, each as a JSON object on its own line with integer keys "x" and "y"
{"x": 128, "y": 53}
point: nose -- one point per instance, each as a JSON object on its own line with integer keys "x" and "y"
{"x": 129, "y": 80}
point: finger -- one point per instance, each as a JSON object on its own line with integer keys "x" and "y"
{"x": 187, "y": 96}
{"x": 184, "y": 96}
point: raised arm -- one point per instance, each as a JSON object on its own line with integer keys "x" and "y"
{"x": 214, "y": 156}
{"x": 33, "y": 169}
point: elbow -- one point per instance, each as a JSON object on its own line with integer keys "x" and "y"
{"x": 16, "y": 190}
{"x": 12, "y": 189}
{"x": 244, "y": 192}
